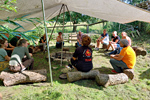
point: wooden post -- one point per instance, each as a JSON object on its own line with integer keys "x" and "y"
{"x": 87, "y": 29}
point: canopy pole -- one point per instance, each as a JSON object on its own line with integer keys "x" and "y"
{"x": 47, "y": 43}
{"x": 55, "y": 22}
{"x": 62, "y": 34}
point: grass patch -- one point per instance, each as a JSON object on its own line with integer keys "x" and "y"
{"x": 137, "y": 89}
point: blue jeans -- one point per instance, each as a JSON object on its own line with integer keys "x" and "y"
{"x": 118, "y": 65}
{"x": 79, "y": 45}
{"x": 116, "y": 51}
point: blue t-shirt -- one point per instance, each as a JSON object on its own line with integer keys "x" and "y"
{"x": 3, "y": 53}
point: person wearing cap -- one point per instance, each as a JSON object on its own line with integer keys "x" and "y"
{"x": 126, "y": 59}
{"x": 79, "y": 39}
{"x": 59, "y": 40}
{"x": 115, "y": 41}
{"x": 104, "y": 39}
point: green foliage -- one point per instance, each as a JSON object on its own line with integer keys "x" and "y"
{"x": 8, "y": 5}
{"x": 147, "y": 28}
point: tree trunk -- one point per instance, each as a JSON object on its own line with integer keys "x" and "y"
{"x": 129, "y": 73}
{"x": 139, "y": 51}
{"x": 111, "y": 79}
{"x": 26, "y": 76}
{"x": 74, "y": 27}
{"x": 74, "y": 76}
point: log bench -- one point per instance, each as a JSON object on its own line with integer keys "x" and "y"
{"x": 102, "y": 79}
{"x": 104, "y": 46}
{"x": 27, "y": 76}
{"x": 3, "y": 65}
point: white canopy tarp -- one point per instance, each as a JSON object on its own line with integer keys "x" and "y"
{"x": 110, "y": 10}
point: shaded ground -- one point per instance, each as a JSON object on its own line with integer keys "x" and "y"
{"x": 137, "y": 89}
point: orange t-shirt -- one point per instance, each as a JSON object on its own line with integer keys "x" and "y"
{"x": 129, "y": 56}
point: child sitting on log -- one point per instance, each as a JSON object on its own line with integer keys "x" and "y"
{"x": 20, "y": 58}
{"x": 82, "y": 57}
{"x": 4, "y": 58}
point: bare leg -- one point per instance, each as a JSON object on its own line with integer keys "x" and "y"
{"x": 98, "y": 43}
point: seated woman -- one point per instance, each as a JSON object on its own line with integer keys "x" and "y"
{"x": 82, "y": 57}
{"x": 42, "y": 42}
{"x": 4, "y": 58}
{"x": 10, "y": 47}
{"x": 20, "y": 58}
{"x": 115, "y": 41}
{"x": 59, "y": 40}
{"x": 126, "y": 59}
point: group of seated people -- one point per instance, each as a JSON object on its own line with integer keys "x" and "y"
{"x": 122, "y": 56}
{"x": 16, "y": 51}
{"x": 20, "y": 58}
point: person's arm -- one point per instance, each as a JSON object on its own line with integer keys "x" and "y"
{"x": 42, "y": 41}
{"x": 7, "y": 58}
{"x": 75, "y": 55}
{"x": 103, "y": 38}
{"x": 99, "y": 38}
{"x": 117, "y": 57}
{"x": 74, "y": 58}
{"x": 27, "y": 53}
{"x": 11, "y": 45}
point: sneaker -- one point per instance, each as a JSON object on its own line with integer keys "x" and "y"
{"x": 23, "y": 69}
{"x": 96, "y": 49}
{"x": 106, "y": 54}
{"x": 113, "y": 71}
{"x": 69, "y": 66}
{"x": 106, "y": 50}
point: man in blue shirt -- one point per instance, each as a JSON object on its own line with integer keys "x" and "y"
{"x": 104, "y": 39}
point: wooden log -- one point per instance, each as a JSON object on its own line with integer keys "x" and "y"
{"x": 65, "y": 49}
{"x": 129, "y": 73}
{"x": 111, "y": 79}
{"x": 139, "y": 51}
{"x": 104, "y": 46}
{"x": 74, "y": 76}
{"x": 92, "y": 46}
{"x": 26, "y": 76}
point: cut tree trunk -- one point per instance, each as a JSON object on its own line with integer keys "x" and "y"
{"x": 111, "y": 79}
{"x": 27, "y": 76}
{"x": 139, "y": 51}
{"x": 74, "y": 76}
{"x": 129, "y": 73}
